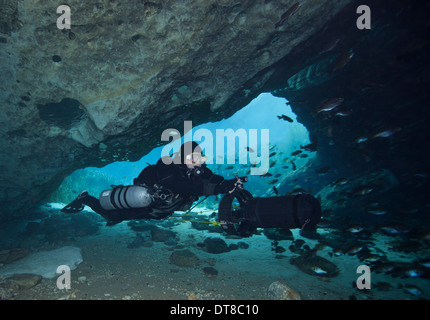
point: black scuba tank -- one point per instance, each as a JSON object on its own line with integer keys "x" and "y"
{"x": 125, "y": 197}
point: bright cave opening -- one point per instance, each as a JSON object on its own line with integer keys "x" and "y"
{"x": 269, "y": 117}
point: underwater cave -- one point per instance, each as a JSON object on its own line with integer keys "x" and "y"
{"x": 321, "y": 107}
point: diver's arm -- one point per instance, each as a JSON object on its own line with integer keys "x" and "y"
{"x": 211, "y": 182}
{"x": 214, "y": 184}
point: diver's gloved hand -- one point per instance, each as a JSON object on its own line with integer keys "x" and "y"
{"x": 228, "y": 186}
{"x": 225, "y": 186}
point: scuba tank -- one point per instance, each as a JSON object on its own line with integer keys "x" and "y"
{"x": 125, "y": 197}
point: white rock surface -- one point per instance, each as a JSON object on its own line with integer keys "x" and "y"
{"x": 45, "y": 263}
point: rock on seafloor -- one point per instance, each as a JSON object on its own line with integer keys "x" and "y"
{"x": 281, "y": 291}
{"x": 184, "y": 258}
{"x": 44, "y": 263}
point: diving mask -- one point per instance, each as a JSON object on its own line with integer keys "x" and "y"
{"x": 196, "y": 158}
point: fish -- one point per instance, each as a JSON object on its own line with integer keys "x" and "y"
{"x": 329, "y": 105}
{"x": 340, "y": 182}
{"x": 337, "y": 252}
{"x": 277, "y": 175}
{"x": 272, "y": 154}
{"x": 355, "y": 228}
{"x": 309, "y": 147}
{"x": 361, "y": 139}
{"x": 229, "y": 168}
{"x": 303, "y": 155}
{"x": 249, "y": 149}
{"x": 385, "y": 267}
{"x": 273, "y": 181}
{"x": 330, "y": 46}
{"x": 361, "y": 191}
{"x": 394, "y": 229}
{"x": 424, "y": 262}
{"x": 298, "y": 191}
{"x": 377, "y": 211}
{"x": 372, "y": 258}
{"x": 289, "y": 103}
{"x": 286, "y": 118}
{"x": 272, "y": 164}
{"x": 355, "y": 249}
{"x": 413, "y": 273}
{"x": 294, "y": 165}
{"x": 318, "y": 270}
{"x": 342, "y": 61}
{"x": 343, "y": 112}
{"x": 386, "y": 133}
{"x": 414, "y": 290}
{"x": 287, "y": 14}
{"x": 268, "y": 174}
{"x": 295, "y": 153}
{"x": 275, "y": 190}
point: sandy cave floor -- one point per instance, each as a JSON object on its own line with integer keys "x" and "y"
{"x": 111, "y": 271}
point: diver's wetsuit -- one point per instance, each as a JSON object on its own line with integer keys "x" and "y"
{"x": 187, "y": 184}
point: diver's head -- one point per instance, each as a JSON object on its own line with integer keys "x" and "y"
{"x": 195, "y": 159}
{"x": 191, "y": 155}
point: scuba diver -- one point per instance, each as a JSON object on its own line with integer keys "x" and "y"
{"x": 159, "y": 190}
{"x": 174, "y": 184}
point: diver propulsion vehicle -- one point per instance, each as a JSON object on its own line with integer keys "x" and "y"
{"x": 300, "y": 210}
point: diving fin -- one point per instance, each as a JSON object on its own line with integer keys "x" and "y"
{"x": 76, "y": 205}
